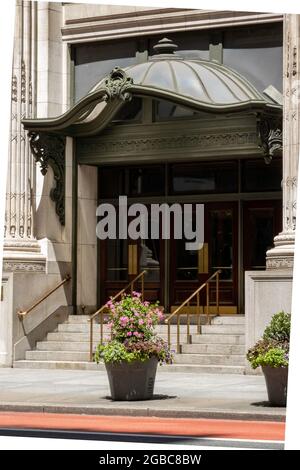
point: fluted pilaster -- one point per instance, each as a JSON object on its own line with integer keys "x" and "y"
{"x": 21, "y": 249}
{"x": 282, "y": 255}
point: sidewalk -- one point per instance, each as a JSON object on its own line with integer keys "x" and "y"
{"x": 177, "y": 395}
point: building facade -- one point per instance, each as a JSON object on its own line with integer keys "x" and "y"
{"x": 162, "y": 106}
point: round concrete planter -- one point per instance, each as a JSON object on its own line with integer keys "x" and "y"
{"x": 132, "y": 381}
{"x": 276, "y": 380}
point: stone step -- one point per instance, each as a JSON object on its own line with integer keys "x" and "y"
{"x": 84, "y": 319}
{"x": 213, "y": 349}
{"x": 81, "y": 328}
{"x": 78, "y": 319}
{"x": 85, "y": 328}
{"x": 164, "y": 329}
{"x": 223, "y": 329}
{"x": 80, "y": 346}
{"x": 29, "y": 364}
{"x": 218, "y": 339}
{"x": 204, "y": 369}
{"x": 78, "y": 337}
{"x": 228, "y": 320}
{"x": 211, "y": 359}
{"x": 182, "y": 368}
{"x": 193, "y": 318}
{"x": 71, "y": 336}
{"x": 72, "y": 356}
{"x": 217, "y": 320}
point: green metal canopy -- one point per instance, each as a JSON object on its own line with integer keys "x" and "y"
{"x": 198, "y": 84}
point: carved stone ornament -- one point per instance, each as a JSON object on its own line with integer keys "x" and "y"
{"x": 49, "y": 149}
{"x": 116, "y": 85}
{"x": 23, "y": 266}
{"x": 280, "y": 263}
{"x": 270, "y": 138}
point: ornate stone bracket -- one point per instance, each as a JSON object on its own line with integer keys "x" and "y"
{"x": 116, "y": 85}
{"x": 270, "y": 137}
{"x": 49, "y": 149}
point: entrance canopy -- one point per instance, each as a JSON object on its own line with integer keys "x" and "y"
{"x": 198, "y": 84}
{"x": 202, "y": 86}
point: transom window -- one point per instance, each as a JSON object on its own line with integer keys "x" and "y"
{"x": 243, "y": 176}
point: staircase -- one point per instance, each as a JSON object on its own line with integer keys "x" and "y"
{"x": 218, "y": 349}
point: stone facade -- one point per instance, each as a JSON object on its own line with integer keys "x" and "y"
{"x": 36, "y": 243}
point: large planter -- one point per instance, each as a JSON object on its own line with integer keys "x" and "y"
{"x": 132, "y": 381}
{"x": 276, "y": 381}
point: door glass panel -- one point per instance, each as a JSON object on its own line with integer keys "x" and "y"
{"x": 117, "y": 260}
{"x": 150, "y": 259}
{"x": 260, "y": 233}
{"x": 220, "y": 243}
{"x": 186, "y": 262}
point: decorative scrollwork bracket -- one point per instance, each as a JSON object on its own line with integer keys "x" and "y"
{"x": 117, "y": 84}
{"x": 270, "y": 137}
{"x": 49, "y": 150}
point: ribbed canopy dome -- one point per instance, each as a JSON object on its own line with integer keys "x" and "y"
{"x": 201, "y": 80}
{"x": 204, "y": 86}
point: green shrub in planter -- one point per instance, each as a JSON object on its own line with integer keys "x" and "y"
{"x": 273, "y": 349}
{"x": 279, "y": 328}
{"x": 134, "y": 349}
{"x": 272, "y": 354}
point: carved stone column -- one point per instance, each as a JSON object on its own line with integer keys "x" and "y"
{"x": 282, "y": 255}
{"x": 21, "y": 249}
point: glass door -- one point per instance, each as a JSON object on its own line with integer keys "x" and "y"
{"x": 121, "y": 260}
{"x": 189, "y": 269}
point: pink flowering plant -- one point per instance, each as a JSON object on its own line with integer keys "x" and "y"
{"x": 132, "y": 323}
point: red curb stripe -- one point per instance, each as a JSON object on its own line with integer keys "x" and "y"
{"x": 210, "y": 428}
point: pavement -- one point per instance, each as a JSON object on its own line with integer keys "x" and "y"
{"x": 176, "y": 395}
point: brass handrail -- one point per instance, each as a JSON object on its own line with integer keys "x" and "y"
{"x": 101, "y": 310}
{"x": 22, "y": 313}
{"x": 178, "y": 311}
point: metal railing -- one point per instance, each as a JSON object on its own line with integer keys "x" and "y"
{"x": 22, "y": 313}
{"x": 101, "y": 311}
{"x": 179, "y": 311}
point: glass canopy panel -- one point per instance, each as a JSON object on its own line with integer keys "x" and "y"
{"x": 138, "y": 72}
{"x": 131, "y": 111}
{"x": 165, "y": 110}
{"x": 188, "y": 83}
{"x": 217, "y": 90}
{"x": 160, "y": 76}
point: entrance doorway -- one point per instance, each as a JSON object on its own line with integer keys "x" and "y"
{"x": 242, "y": 214}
